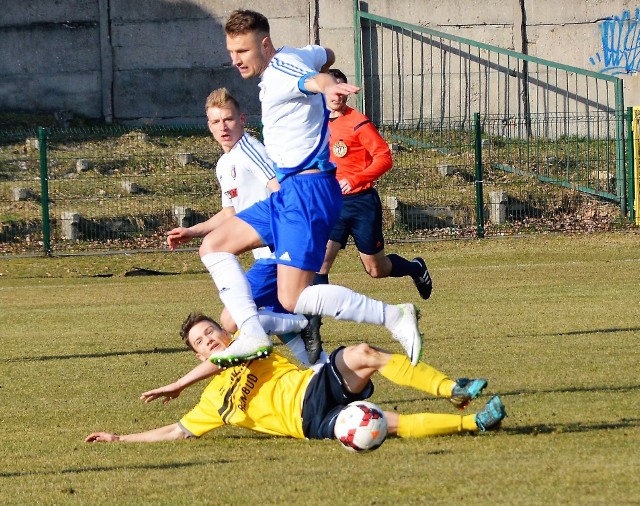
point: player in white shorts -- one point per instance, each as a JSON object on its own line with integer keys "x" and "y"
{"x": 295, "y": 221}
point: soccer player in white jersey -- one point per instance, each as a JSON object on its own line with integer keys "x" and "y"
{"x": 294, "y": 222}
{"x": 246, "y": 176}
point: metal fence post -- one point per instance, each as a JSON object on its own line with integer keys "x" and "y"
{"x": 44, "y": 190}
{"x": 357, "y": 52}
{"x": 632, "y": 139}
{"x": 630, "y": 166}
{"x": 621, "y": 180}
{"x": 478, "y": 156}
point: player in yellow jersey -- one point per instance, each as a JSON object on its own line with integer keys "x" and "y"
{"x": 274, "y": 396}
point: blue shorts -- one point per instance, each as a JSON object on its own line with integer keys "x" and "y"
{"x": 295, "y": 222}
{"x": 325, "y": 397}
{"x": 263, "y": 279}
{"x": 361, "y": 218}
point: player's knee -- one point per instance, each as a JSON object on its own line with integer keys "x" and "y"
{"x": 204, "y": 249}
{"x": 377, "y": 266}
{"x": 288, "y": 302}
{"x": 364, "y": 353}
{"x": 375, "y": 272}
{"x": 209, "y": 245}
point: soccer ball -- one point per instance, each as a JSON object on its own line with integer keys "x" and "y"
{"x": 361, "y": 426}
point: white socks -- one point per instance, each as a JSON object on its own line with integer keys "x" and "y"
{"x": 344, "y": 304}
{"x": 336, "y": 301}
{"x": 281, "y": 323}
{"x": 296, "y": 346}
{"x": 234, "y": 290}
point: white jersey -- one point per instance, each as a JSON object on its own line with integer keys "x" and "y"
{"x": 295, "y": 122}
{"x": 243, "y": 174}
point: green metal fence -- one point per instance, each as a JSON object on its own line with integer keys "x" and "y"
{"x": 449, "y": 181}
{"x": 562, "y": 124}
{"x": 111, "y": 188}
{"x": 103, "y": 188}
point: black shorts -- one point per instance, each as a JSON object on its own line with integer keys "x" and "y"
{"x": 361, "y": 218}
{"x": 325, "y": 397}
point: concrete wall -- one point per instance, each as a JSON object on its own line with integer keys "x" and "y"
{"x": 156, "y": 60}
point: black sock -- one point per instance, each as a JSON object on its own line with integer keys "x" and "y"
{"x": 321, "y": 279}
{"x": 401, "y": 267}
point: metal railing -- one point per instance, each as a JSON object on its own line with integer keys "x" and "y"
{"x": 119, "y": 189}
{"x": 417, "y": 78}
{"x": 104, "y": 187}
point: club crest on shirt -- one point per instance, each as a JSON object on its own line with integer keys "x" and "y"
{"x": 339, "y": 149}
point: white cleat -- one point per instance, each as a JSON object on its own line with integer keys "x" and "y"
{"x": 242, "y": 349}
{"x": 407, "y": 333}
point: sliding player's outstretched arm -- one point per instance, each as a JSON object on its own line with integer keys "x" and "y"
{"x": 166, "y": 433}
{"x": 202, "y": 371}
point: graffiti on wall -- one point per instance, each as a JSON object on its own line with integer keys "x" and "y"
{"x": 620, "y": 36}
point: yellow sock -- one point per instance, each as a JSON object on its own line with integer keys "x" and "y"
{"x": 469, "y": 423}
{"x": 423, "y": 376}
{"x": 429, "y": 424}
{"x": 433, "y": 424}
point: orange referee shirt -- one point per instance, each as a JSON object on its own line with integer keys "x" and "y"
{"x": 358, "y": 150}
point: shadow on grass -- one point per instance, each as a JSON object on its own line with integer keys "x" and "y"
{"x": 103, "y": 355}
{"x": 580, "y": 332}
{"x": 606, "y": 388}
{"x": 602, "y": 388}
{"x": 560, "y": 428}
{"x": 97, "y": 355}
{"x": 99, "y": 469}
{"x": 597, "y": 331}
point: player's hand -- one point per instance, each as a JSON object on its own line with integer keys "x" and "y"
{"x": 177, "y": 236}
{"x": 338, "y": 90}
{"x": 345, "y": 185}
{"x": 169, "y": 392}
{"x": 101, "y": 437}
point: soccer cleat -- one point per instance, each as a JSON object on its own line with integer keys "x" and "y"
{"x": 466, "y": 390}
{"x": 423, "y": 282}
{"x": 489, "y": 417}
{"x": 407, "y": 334}
{"x": 242, "y": 349}
{"x": 312, "y": 339}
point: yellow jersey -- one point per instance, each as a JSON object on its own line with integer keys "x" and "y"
{"x": 262, "y": 395}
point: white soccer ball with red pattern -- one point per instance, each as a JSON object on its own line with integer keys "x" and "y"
{"x": 361, "y": 426}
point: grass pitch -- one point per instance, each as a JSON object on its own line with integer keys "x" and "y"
{"x": 552, "y": 321}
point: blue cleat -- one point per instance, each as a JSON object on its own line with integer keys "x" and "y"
{"x": 466, "y": 390}
{"x": 489, "y": 417}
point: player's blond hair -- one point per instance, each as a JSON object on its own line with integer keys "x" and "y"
{"x": 221, "y": 98}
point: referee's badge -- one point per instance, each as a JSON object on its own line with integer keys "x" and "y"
{"x": 340, "y": 149}
{"x": 233, "y": 171}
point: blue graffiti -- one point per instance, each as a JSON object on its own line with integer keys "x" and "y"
{"x": 620, "y": 45}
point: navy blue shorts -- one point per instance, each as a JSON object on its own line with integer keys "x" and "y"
{"x": 263, "y": 279}
{"x": 361, "y": 218}
{"x": 325, "y": 397}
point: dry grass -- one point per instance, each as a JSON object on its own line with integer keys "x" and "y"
{"x": 551, "y": 321}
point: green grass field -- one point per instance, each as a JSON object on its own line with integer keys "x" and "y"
{"x": 552, "y": 321}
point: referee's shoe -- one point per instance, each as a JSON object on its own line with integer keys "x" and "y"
{"x": 423, "y": 282}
